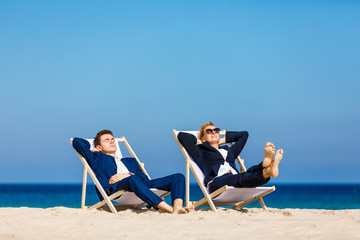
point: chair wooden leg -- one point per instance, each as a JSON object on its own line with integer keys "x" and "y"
{"x": 83, "y": 195}
{"x": 262, "y": 203}
{"x": 187, "y": 184}
{"x": 208, "y": 198}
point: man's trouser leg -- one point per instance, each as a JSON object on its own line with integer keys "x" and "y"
{"x": 136, "y": 185}
{"x": 174, "y": 183}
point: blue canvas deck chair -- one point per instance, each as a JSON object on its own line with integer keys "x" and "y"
{"x": 226, "y": 195}
{"x": 124, "y": 198}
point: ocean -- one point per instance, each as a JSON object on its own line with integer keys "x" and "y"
{"x": 302, "y": 196}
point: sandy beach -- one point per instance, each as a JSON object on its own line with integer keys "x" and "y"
{"x": 252, "y": 223}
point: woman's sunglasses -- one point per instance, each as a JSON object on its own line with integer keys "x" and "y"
{"x": 215, "y": 130}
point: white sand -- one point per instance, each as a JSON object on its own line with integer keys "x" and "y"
{"x": 253, "y": 223}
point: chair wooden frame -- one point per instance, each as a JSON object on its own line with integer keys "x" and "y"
{"x": 208, "y": 198}
{"x": 108, "y": 199}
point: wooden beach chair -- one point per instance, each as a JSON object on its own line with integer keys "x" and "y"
{"x": 124, "y": 198}
{"x": 226, "y": 195}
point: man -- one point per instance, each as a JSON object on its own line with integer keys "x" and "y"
{"x": 125, "y": 174}
{"x": 218, "y": 162}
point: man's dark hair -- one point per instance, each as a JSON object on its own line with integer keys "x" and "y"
{"x": 99, "y": 134}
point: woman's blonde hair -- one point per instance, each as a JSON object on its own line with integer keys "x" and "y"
{"x": 202, "y": 129}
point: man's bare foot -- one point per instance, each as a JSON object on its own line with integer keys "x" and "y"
{"x": 274, "y": 166}
{"x": 165, "y": 207}
{"x": 185, "y": 210}
{"x": 178, "y": 207}
{"x": 269, "y": 154}
{"x": 179, "y": 210}
{"x": 189, "y": 208}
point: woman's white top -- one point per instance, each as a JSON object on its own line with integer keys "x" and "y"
{"x": 225, "y": 167}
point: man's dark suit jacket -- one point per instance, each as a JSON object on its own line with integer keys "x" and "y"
{"x": 104, "y": 165}
{"x": 208, "y": 158}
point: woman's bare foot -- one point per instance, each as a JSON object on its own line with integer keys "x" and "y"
{"x": 269, "y": 154}
{"x": 274, "y": 166}
{"x": 273, "y": 169}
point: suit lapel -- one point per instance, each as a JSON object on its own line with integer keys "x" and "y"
{"x": 229, "y": 155}
{"x": 130, "y": 164}
{"x": 208, "y": 147}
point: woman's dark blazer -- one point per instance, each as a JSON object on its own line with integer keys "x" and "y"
{"x": 208, "y": 158}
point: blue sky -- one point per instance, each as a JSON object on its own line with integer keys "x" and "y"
{"x": 285, "y": 71}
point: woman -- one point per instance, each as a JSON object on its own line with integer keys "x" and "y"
{"x": 218, "y": 162}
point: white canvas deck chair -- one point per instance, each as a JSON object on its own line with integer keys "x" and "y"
{"x": 126, "y": 199}
{"x": 226, "y": 195}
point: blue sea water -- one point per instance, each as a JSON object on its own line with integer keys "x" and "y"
{"x": 310, "y": 196}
